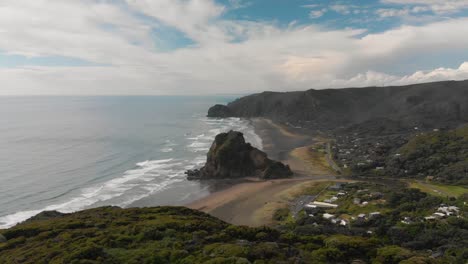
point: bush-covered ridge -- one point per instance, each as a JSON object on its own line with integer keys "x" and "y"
{"x": 440, "y": 155}
{"x": 181, "y": 235}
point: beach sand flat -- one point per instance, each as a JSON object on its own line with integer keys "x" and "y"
{"x": 253, "y": 203}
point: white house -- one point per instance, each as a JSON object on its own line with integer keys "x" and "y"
{"x": 328, "y": 216}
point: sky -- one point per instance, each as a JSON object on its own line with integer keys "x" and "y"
{"x": 203, "y": 47}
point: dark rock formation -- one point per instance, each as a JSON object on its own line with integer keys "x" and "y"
{"x": 231, "y": 157}
{"x": 219, "y": 111}
{"x": 46, "y": 215}
{"x": 431, "y": 105}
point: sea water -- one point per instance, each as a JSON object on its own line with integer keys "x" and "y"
{"x": 73, "y": 153}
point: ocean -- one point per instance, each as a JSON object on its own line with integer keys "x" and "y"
{"x": 73, "y": 153}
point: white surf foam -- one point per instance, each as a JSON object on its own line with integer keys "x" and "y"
{"x": 142, "y": 176}
{"x": 148, "y": 177}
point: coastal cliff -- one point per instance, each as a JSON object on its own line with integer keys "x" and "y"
{"x": 432, "y": 105}
{"x": 231, "y": 157}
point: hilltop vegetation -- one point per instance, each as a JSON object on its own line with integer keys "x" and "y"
{"x": 388, "y": 221}
{"x": 427, "y": 105}
{"x": 181, "y": 235}
{"x": 442, "y": 155}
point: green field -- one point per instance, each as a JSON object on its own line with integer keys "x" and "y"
{"x": 439, "y": 189}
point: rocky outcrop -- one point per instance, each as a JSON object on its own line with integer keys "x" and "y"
{"x": 231, "y": 157}
{"x": 219, "y": 111}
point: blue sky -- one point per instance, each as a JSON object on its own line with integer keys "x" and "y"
{"x": 227, "y": 46}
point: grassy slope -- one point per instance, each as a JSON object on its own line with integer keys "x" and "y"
{"x": 439, "y": 189}
{"x": 181, "y": 235}
{"x": 443, "y": 155}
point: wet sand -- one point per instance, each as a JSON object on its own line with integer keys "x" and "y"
{"x": 253, "y": 202}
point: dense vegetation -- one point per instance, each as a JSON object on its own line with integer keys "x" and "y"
{"x": 399, "y": 233}
{"x": 181, "y": 235}
{"x": 442, "y": 155}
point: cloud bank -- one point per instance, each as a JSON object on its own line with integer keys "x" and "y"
{"x": 119, "y": 40}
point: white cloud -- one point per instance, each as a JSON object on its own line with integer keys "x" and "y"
{"x": 342, "y": 9}
{"x": 392, "y": 12}
{"x": 193, "y": 17}
{"x": 372, "y": 78}
{"x": 238, "y": 4}
{"x": 317, "y": 13}
{"x": 264, "y": 56}
{"x": 437, "y": 6}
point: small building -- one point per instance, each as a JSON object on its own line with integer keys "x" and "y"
{"x": 406, "y": 220}
{"x": 334, "y": 199}
{"x": 438, "y": 215}
{"x": 362, "y": 216}
{"x": 365, "y": 203}
{"x": 341, "y": 194}
{"x": 356, "y": 201}
{"x": 430, "y": 178}
{"x": 375, "y": 215}
{"x": 324, "y": 205}
{"x": 337, "y": 186}
{"x": 429, "y": 218}
{"x": 448, "y": 210}
{"x": 328, "y": 216}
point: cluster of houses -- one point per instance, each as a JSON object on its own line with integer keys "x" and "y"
{"x": 443, "y": 211}
{"x": 368, "y": 153}
{"x": 315, "y": 207}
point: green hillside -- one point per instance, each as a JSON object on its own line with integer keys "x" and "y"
{"x": 181, "y": 235}
{"x": 442, "y": 155}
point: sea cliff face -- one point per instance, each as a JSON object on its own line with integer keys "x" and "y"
{"x": 231, "y": 157}
{"x": 432, "y": 105}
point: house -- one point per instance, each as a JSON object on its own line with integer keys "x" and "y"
{"x": 341, "y": 194}
{"x": 343, "y": 223}
{"x": 429, "y": 218}
{"x": 406, "y": 220}
{"x": 438, "y": 215}
{"x": 375, "y": 215}
{"x": 328, "y": 216}
{"x": 334, "y": 199}
{"x": 362, "y": 216}
{"x": 365, "y": 203}
{"x": 324, "y": 205}
{"x": 337, "y": 186}
{"x": 311, "y": 209}
{"x": 430, "y": 178}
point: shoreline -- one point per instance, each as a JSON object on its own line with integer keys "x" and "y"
{"x": 253, "y": 202}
